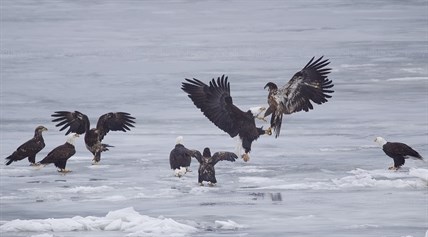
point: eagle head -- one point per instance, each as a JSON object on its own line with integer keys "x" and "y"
{"x": 257, "y": 111}
{"x": 207, "y": 152}
{"x": 380, "y": 140}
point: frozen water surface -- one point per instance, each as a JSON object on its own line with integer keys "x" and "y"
{"x": 323, "y": 176}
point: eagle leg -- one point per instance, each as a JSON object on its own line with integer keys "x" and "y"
{"x": 64, "y": 171}
{"x": 246, "y": 157}
{"x": 393, "y": 168}
{"x": 201, "y": 184}
{"x": 268, "y": 131}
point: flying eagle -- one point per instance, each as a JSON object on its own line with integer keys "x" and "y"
{"x": 397, "y": 151}
{"x": 309, "y": 84}
{"x": 215, "y": 102}
{"x": 180, "y": 158}
{"x": 206, "y": 171}
{"x": 60, "y": 154}
{"x": 77, "y": 122}
{"x": 29, "y": 149}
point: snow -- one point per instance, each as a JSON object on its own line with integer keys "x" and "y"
{"x": 324, "y": 176}
{"x": 124, "y": 220}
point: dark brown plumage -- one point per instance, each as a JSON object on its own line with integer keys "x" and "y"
{"x": 60, "y": 154}
{"x": 180, "y": 157}
{"x": 30, "y": 148}
{"x": 78, "y": 122}
{"x": 398, "y": 152}
{"x": 206, "y": 171}
{"x": 215, "y": 102}
{"x": 309, "y": 84}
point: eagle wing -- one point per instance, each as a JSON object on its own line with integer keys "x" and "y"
{"x": 223, "y": 155}
{"x": 216, "y": 103}
{"x": 197, "y": 155}
{"x": 119, "y": 121}
{"x": 75, "y": 121}
{"x": 309, "y": 84}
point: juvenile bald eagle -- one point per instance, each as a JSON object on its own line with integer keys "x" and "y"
{"x": 206, "y": 171}
{"x": 79, "y": 123}
{"x": 29, "y": 149}
{"x": 180, "y": 158}
{"x": 309, "y": 84}
{"x": 397, "y": 151}
{"x": 216, "y": 104}
{"x": 59, "y": 155}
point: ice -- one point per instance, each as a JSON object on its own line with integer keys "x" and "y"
{"x": 228, "y": 225}
{"x": 125, "y": 220}
{"x": 324, "y": 176}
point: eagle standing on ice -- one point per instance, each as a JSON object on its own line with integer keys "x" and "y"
{"x": 215, "y": 102}
{"x": 60, "y": 154}
{"x": 77, "y": 122}
{"x": 206, "y": 171}
{"x": 180, "y": 158}
{"x": 30, "y": 148}
{"x": 309, "y": 84}
{"x": 397, "y": 151}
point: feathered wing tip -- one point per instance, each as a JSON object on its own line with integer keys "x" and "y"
{"x": 76, "y": 121}
{"x": 9, "y": 160}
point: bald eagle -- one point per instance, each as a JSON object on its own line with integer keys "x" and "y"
{"x": 29, "y": 149}
{"x": 309, "y": 84}
{"x": 215, "y": 102}
{"x": 180, "y": 158}
{"x": 79, "y": 123}
{"x": 60, "y": 154}
{"x": 206, "y": 171}
{"x": 397, "y": 151}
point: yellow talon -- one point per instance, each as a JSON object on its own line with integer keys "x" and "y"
{"x": 246, "y": 157}
{"x": 268, "y": 131}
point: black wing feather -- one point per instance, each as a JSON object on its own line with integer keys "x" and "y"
{"x": 224, "y": 155}
{"x": 119, "y": 121}
{"x": 76, "y": 122}
{"x": 216, "y": 103}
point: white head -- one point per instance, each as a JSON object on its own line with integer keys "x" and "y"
{"x": 380, "y": 140}
{"x": 72, "y": 137}
{"x": 179, "y": 140}
{"x": 257, "y": 111}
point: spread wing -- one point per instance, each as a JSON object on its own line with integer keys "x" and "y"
{"x": 197, "y": 155}
{"x": 309, "y": 84}
{"x": 119, "y": 121}
{"x": 216, "y": 103}
{"x": 75, "y": 121}
{"x": 224, "y": 155}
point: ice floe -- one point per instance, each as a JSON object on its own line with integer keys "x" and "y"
{"x": 124, "y": 220}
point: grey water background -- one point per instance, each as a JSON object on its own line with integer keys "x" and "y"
{"x": 102, "y": 56}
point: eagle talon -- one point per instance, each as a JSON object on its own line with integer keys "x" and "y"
{"x": 268, "y": 131}
{"x": 246, "y": 157}
{"x": 393, "y": 168}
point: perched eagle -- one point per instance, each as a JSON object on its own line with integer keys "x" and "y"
{"x": 397, "y": 151}
{"x": 180, "y": 158}
{"x": 215, "y": 102}
{"x": 60, "y": 154}
{"x": 309, "y": 84}
{"x": 206, "y": 171}
{"x": 77, "y": 122}
{"x": 30, "y": 148}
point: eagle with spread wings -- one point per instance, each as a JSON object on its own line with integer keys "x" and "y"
{"x": 77, "y": 122}
{"x": 311, "y": 84}
{"x": 215, "y": 102}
